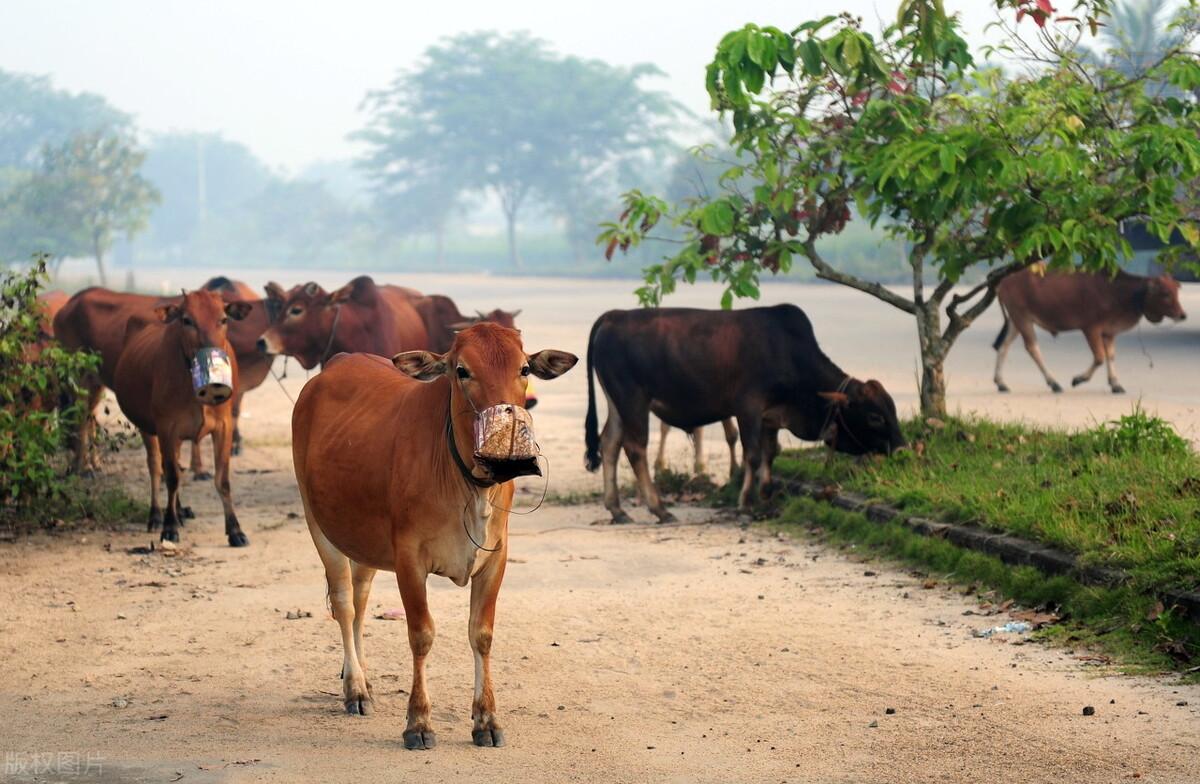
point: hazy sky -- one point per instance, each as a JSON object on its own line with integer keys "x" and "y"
{"x": 286, "y": 77}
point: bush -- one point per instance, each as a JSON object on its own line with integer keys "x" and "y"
{"x": 41, "y": 394}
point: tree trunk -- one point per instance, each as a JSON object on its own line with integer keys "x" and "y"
{"x": 933, "y": 358}
{"x": 513, "y": 254}
{"x": 100, "y": 261}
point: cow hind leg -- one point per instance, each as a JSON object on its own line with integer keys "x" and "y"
{"x": 86, "y": 432}
{"x": 182, "y": 513}
{"x": 356, "y": 697}
{"x": 610, "y": 452}
{"x": 660, "y": 462}
{"x": 1006, "y": 341}
{"x": 362, "y": 577}
{"x": 222, "y": 446}
{"x": 169, "y": 444}
{"x": 1095, "y": 342}
{"x": 197, "y": 465}
{"x": 1035, "y": 353}
{"x": 635, "y": 449}
{"x": 698, "y": 466}
{"x": 154, "y": 465}
{"x": 1110, "y": 357}
{"x": 731, "y": 439}
{"x": 418, "y": 734}
{"x": 770, "y": 450}
{"x": 485, "y": 587}
{"x": 751, "y": 427}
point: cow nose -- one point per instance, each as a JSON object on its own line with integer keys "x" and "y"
{"x": 1182, "y": 316}
{"x": 261, "y": 345}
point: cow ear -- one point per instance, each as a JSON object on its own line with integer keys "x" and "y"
{"x": 421, "y": 365}
{"x": 551, "y": 363}
{"x": 237, "y": 310}
{"x": 275, "y": 291}
{"x": 342, "y": 294}
{"x": 837, "y": 398}
{"x": 167, "y": 313}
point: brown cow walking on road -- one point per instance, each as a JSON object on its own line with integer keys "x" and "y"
{"x": 1101, "y": 306}
{"x": 393, "y": 477}
{"x": 154, "y": 388}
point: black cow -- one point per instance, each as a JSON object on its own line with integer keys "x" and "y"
{"x": 694, "y": 367}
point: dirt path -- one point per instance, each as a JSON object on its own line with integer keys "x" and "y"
{"x": 699, "y": 652}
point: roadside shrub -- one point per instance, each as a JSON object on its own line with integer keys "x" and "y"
{"x": 1136, "y": 432}
{"x": 41, "y": 398}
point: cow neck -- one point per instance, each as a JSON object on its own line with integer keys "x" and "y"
{"x": 452, "y": 442}
{"x": 337, "y": 316}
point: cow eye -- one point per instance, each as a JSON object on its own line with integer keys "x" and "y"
{"x": 525, "y": 370}
{"x": 463, "y": 373}
{"x": 874, "y": 420}
{"x": 187, "y": 321}
{"x": 224, "y": 320}
{"x": 295, "y": 311}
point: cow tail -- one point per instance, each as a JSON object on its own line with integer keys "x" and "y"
{"x": 999, "y": 341}
{"x": 591, "y": 430}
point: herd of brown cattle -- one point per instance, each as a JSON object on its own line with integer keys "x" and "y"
{"x": 405, "y": 464}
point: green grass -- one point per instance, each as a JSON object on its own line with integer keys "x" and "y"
{"x": 80, "y": 504}
{"x": 1121, "y": 622}
{"x": 1124, "y": 495}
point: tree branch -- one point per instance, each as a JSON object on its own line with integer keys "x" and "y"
{"x": 826, "y": 272}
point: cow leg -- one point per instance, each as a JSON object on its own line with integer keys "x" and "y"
{"x": 198, "y": 472}
{"x": 698, "y": 467}
{"x": 362, "y": 577}
{"x": 356, "y": 696}
{"x": 660, "y": 462}
{"x": 237, "y": 415}
{"x": 169, "y": 445}
{"x": 418, "y": 734}
{"x": 634, "y": 443}
{"x": 1035, "y": 352}
{"x": 485, "y": 587}
{"x": 222, "y": 440}
{"x": 1095, "y": 342}
{"x": 182, "y": 513}
{"x": 770, "y": 449}
{"x": 155, "y": 466}
{"x": 751, "y": 427}
{"x": 1002, "y": 354}
{"x": 731, "y": 438}
{"x": 610, "y": 452}
{"x": 1110, "y": 357}
{"x": 87, "y": 430}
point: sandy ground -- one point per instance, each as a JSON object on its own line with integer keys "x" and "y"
{"x": 698, "y": 652}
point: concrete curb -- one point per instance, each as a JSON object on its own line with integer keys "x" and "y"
{"x": 1010, "y": 549}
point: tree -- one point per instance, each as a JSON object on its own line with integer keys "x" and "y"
{"x": 506, "y": 115}
{"x": 979, "y": 173}
{"x": 34, "y": 114}
{"x": 91, "y": 188}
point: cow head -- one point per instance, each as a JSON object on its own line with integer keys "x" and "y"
{"x": 301, "y": 323}
{"x": 862, "y": 420}
{"x": 1162, "y": 300}
{"x": 488, "y": 371}
{"x": 199, "y": 322}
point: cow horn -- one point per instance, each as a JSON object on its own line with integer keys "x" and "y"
{"x": 311, "y": 288}
{"x": 516, "y": 312}
{"x": 481, "y": 314}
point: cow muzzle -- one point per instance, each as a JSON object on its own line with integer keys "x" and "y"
{"x": 212, "y": 376}
{"x": 504, "y": 443}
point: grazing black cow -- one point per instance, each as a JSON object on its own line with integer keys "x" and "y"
{"x": 694, "y": 367}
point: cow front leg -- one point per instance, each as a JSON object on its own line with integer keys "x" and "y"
{"x": 635, "y": 450}
{"x": 731, "y": 439}
{"x": 660, "y": 462}
{"x": 169, "y": 445}
{"x": 1035, "y": 353}
{"x": 1110, "y": 358}
{"x": 1095, "y": 342}
{"x": 1006, "y": 341}
{"x": 485, "y": 587}
{"x": 418, "y": 734}
{"x": 751, "y": 427}
{"x": 237, "y": 418}
{"x": 770, "y": 450}
{"x": 154, "y": 465}
{"x": 610, "y": 452}
{"x": 698, "y": 466}
{"x": 222, "y": 447}
{"x": 356, "y": 695}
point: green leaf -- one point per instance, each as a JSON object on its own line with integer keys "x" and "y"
{"x": 717, "y": 219}
{"x": 810, "y": 54}
{"x": 756, "y": 47}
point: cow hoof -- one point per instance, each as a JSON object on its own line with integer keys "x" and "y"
{"x": 202, "y": 476}
{"x": 154, "y": 522}
{"x": 186, "y": 513}
{"x": 1056, "y": 388}
{"x": 238, "y": 539}
{"x": 237, "y": 449}
{"x": 169, "y": 536}
{"x": 416, "y": 740}
{"x": 667, "y": 517}
{"x": 621, "y": 518}
{"x": 1002, "y": 388}
{"x": 488, "y": 738}
{"x": 361, "y": 706}
{"x": 1118, "y": 390}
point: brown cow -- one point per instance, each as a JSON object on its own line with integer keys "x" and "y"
{"x": 392, "y": 477}
{"x": 51, "y": 302}
{"x": 154, "y": 387}
{"x": 312, "y": 324}
{"x": 96, "y": 319}
{"x": 443, "y": 319}
{"x": 1100, "y": 306}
